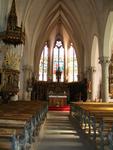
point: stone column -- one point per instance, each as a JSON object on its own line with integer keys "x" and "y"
{"x": 49, "y": 76}
{"x": 81, "y": 76}
{"x": 105, "y": 61}
{"x": 93, "y": 70}
{"x": 88, "y": 73}
{"x": 27, "y": 74}
{"x": 90, "y": 79}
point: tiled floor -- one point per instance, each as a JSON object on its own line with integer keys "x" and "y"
{"x": 59, "y": 134}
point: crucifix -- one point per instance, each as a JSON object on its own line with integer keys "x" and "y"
{"x": 58, "y": 71}
{"x": 58, "y": 74}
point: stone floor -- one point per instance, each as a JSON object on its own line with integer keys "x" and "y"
{"x": 59, "y": 134}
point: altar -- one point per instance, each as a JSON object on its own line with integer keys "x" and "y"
{"x": 58, "y": 101}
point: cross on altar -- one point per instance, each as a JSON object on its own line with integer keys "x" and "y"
{"x": 58, "y": 74}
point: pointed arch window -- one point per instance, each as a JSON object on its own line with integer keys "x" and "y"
{"x": 43, "y": 66}
{"x": 58, "y": 60}
{"x": 72, "y": 65}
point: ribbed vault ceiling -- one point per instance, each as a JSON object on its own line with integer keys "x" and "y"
{"x": 44, "y": 19}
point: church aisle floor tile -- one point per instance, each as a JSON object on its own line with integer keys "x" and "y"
{"x": 59, "y": 134}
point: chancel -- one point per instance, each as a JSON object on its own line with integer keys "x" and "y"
{"x": 56, "y": 66}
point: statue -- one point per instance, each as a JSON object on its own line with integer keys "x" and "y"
{"x": 58, "y": 74}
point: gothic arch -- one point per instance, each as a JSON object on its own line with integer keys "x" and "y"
{"x": 51, "y": 21}
{"x": 108, "y": 36}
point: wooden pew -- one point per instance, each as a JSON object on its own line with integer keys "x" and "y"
{"x": 9, "y": 139}
{"x": 18, "y": 113}
{"x": 101, "y": 113}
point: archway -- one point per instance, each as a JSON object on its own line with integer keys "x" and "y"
{"x": 107, "y": 53}
{"x": 108, "y": 36}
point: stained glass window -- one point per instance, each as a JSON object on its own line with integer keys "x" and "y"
{"x": 58, "y": 60}
{"x": 72, "y": 65}
{"x": 43, "y": 64}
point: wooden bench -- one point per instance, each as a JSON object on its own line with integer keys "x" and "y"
{"x": 98, "y": 117}
{"x": 21, "y": 116}
{"x": 10, "y": 138}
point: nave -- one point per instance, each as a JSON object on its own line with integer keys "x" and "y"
{"x": 59, "y": 133}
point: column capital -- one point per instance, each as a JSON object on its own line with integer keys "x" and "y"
{"x": 104, "y": 60}
{"x": 91, "y": 69}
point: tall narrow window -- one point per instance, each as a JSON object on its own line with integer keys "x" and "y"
{"x": 43, "y": 64}
{"x": 58, "y": 60}
{"x": 72, "y": 65}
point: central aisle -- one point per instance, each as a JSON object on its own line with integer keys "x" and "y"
{"x": 59, "y": 134}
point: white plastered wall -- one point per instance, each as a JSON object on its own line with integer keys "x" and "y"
{"x": 96, "y": 73}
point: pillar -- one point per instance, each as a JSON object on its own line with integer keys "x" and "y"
{"x": 105, "y": 61}
{"x": 90, "y": 79}
{"x": 49, "y": 78}
{"x": 93, "y": 70}
{"x": 27, "y": 74}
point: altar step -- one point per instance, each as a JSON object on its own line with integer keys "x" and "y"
{"x": 59, "y": 108}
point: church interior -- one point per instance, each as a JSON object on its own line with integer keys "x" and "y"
{"x": 56, "y": 74}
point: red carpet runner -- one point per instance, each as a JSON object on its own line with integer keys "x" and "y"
{"x": 59, "y": 108}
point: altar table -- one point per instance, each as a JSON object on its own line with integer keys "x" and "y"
{"x": 57, "y": 100}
